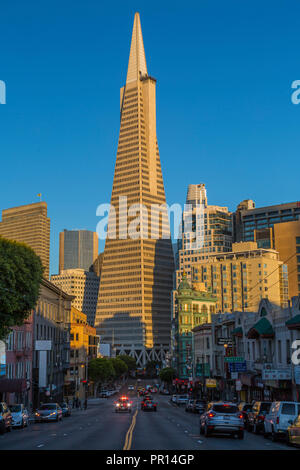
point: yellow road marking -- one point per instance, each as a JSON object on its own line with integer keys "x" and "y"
{"x": 128, "y": 439}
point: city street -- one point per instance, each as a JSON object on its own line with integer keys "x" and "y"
{"x": 99, "y": 427}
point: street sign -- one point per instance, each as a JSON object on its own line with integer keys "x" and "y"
{"x": 211, "y": 383}
{"x": 238, "y": 366}
{"x": 238, "y": 385}
{"x": 234, "y": 359}
{"x": 234, "y": 375}
{"x": 276, "y": 374}
{"x": 222, "y": 341}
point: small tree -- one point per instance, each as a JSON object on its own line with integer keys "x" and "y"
{"x": 21, "y": 273}
{"x": 100, "y": 370}
{"x": 167, "y": 375}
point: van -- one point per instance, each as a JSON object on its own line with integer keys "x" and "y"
{"x": 279, "y": 418}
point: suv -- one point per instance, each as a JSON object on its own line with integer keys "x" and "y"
{"x": 5, "y": 418}
{"x": 280, "y": 416}
{"x": 199, "y": 406}
{"x": 256, "y": 416}
{"x": 223, "y": 417}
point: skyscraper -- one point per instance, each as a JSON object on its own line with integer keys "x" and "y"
{"x": 29, "y": 224}
{"x": 133, "y": 311}
{"x": 78, "y": 249}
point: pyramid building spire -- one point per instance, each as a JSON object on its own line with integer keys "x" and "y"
{"x": 137, "y": 60}
{"x": 134, "y": 300}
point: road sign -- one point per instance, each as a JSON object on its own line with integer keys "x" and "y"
{"x": 234, "y": 359}
{"x": 238, "y": 366}
{"x": 211, "y": 383}
{"x": 222, "y": 341}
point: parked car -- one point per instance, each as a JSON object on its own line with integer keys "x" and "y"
{"x": 48, "y": 412}
{"x": 5, "y": 418}
{"x": 280, "y": 416}
{"x": 245, "y": 408}
{"x": 256, "y": 416}
{"x": 20, "y": 415}
{"x": 199, "y": 406}
{"x": 182, "y": 399}
{"x": 174, "y": 398}
{"x": 293, "y": 432}
{"x": 189, "y": 405}
{"x": 66, "y": 409}
{"x": 104, "y": 394}
{"x": 222, "y": 417}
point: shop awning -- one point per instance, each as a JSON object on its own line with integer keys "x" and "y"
{"x": 238, "y": 331}
{"x": 262, "y": 328}
{"x": 12, "y": 385}
{"x": 293, "y": 323}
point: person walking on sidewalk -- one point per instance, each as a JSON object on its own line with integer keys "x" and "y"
{"x": 85, "y": 404}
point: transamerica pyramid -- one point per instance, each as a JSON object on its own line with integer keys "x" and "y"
{"x": 134, "y": 302}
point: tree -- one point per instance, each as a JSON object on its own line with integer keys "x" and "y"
{"x": 129, "y": 361}
{"x": 21, "y": 273}
{"x": 167, "y": 374}
{"x": 119, "y": 365}
{"x": 100, "y": 370}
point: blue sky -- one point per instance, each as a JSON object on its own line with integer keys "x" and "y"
{"x": 224, "y": 110}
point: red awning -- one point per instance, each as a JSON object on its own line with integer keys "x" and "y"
{"x": 12, "y": 385}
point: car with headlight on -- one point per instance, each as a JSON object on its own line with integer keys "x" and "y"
{"x": 48, "y": 412}
{"x": 5, "y": 418}
{"x": 222, "y": 417}
{"x": 20, "y": 415}
{"x": 123, "y": 404}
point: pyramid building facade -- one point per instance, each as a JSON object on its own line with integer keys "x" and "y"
{"x": 134, "y": 303}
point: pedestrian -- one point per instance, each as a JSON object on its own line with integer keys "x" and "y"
{"x": 80, "y": 404}
{"x": 73, "y": 402}
{"x": 85, "y": 404}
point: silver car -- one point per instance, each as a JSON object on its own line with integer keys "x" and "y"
{"x": 222, "y": 417}
{"x": 48, "y": 412}
{"x": 20, "y": 416}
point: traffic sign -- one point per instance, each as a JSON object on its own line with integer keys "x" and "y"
{"x": 234, "y": 359}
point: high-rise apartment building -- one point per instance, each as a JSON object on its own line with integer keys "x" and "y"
{"x": 133, "y": 309}
{"x": 78, "y": 249}
{"x": 241, "y": 278}
{"x": 206, "y": 229}
{"x": 84, "y": 285}
{"x": 276, "y": 227}
{"x": 29, "y": 224}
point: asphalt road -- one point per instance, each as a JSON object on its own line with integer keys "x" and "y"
{"x": 99, "y": 427}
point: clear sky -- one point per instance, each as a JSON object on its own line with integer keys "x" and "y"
{"x": 225, "y": 118}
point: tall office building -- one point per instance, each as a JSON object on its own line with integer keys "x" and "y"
{"x": 29, "y": 224}
{"x": 133, "y": 311}
{"x": 78, "y": 249}
{"x": 84, "y": 286}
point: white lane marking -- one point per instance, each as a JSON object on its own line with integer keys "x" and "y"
{"x": 200, "y": 442}
{"x": 41, "y": 445}
{"x": 185, "y": 431}
{"x": 65, "y": 434}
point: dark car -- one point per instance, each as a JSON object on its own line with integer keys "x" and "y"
{"x": 149, "y": 405}
{"x": 66, "y": 409}
{"x": 257, "y": 415}
{"x": 48, "y": 412}
{"x": 5, "y": 418}
{"x": 245, "y": 408}
{"x": 199, "y": 406}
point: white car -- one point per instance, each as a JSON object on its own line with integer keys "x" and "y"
{"x": 279, "y": 418}
{"x": 20, "y": 415}
{"x": 182, "y": 399}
